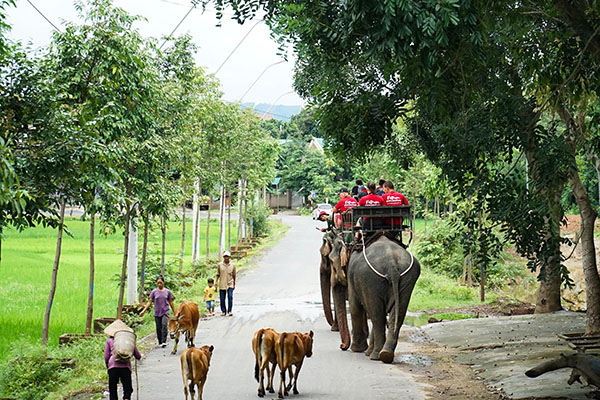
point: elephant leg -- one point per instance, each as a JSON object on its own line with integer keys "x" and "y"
{"x": 387, "y": 353}
{"x": 378, "y": 317}
{"x": 360, "y": 328}
{"x": 391, "y": 339}
{"x": 371, "y": 342}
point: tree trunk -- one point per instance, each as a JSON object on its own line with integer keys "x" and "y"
{"x": 163, "y": 231}
{"x": 208, "y": 231}
{"x": 548, "y": 296}
{"x": 229, "y": 222}
{"x": 124, "y": 265}
{"x": 251, "y": 224}
{"x": 239, "y": 228}
{"x": 196, "y": 224}
{"x": 182, "y": 238}
{"x": 144, "y": 253}
{"x": 245, "y": 202}
{"x": 221, "y": 223}
{"x": 61, "y": 222}
{"x": 588, "y": 248}
{"x": 470, "y": 270}
{"x": 90, "y": 308}
{"x": 425, "y": 214}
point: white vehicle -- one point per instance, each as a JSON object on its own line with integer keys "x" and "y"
{"x": 321, "y": 207}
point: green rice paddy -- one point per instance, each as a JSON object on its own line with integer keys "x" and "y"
{"x": 26, "y": 270}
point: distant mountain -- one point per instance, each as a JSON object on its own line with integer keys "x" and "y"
{"x": 280, "y": 112}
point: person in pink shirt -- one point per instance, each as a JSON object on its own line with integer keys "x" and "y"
{"x": 162, "y": 298}
{"x": 117, "y": 370}
{"x": 393, "y": 198}
{"x": 346, "y": 202}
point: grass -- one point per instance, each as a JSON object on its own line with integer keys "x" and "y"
{"x": 26, "y": 268}
{"x": 434, "y": 291}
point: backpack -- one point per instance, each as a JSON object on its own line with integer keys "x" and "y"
{"x": 124, "y": 346}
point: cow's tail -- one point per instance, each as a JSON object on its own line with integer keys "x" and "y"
{"x": 258, "y": 353}
{"x": 280, "y": 354}
{"x": 189, "y": 366}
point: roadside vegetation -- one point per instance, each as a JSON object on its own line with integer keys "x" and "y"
{"x": 29, "y": 370}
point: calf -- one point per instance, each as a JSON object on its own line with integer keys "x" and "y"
{"x": 185, "y": 321}
{"x": 194, "y": 368}
{"x": 263, "y": 345}
{"x": 291, "y": 350}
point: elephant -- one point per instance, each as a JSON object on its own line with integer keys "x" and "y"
{"x": 333, "y": 282}
{"x": 379, "y": 282}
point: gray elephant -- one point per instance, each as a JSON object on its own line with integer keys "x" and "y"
{"x": 380, "y": 282}
{"x": 333, "y": 282}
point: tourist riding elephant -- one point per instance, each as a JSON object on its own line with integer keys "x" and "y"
{"x": 380, "y": 281}
{"x": 333, "y": 281}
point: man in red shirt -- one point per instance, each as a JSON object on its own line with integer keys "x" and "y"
{"x": 393, "y": 198}
{"x": 346, "y": 202}
{"x": 371, "y": 200}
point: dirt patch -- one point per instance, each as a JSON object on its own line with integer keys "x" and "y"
{"x": 573, "y": 224}
{"x": 447, "y": 379}
{"x": 502, "y": 307}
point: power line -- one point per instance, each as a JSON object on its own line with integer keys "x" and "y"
{"x": 275, "y": 102}
{"x": 236, "y": 47}
{"x": 259, "y": 76}
{"x": 180, "y": 22}
{"x": 42, "y": 14}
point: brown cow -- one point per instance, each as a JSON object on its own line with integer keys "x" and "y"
{"x": 194, "y": 368}
{"x": 291, "y": 350}
{"x": 185, "y": 321}
{"x": 263, "y": 345}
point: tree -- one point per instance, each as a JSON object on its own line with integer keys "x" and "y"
{"x": 433, "y": 54}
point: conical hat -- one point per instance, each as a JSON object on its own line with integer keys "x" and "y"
{"x": 115, "y": 327}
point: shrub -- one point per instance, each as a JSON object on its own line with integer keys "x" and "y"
{"x": 306, "y": 210}
{"x": 439, "y": 248}
{"x": 173, "y": 279}
{"x": 258, "y": 218}
{"x": 31, "y": 375}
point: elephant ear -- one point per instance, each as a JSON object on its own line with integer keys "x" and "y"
{"x": 343, "y": 256}
{"x": 326, "y": 248}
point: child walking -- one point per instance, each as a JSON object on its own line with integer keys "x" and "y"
{"x": 209, "y": 296}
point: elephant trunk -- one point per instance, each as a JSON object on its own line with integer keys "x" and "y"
{"x": 326, "y": 296}
{"x": 339, "y": 301}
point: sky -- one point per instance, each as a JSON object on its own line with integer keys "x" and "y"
{"x": 256, "y": 55}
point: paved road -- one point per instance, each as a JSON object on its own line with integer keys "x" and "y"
{"x": 282, "y": 293}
